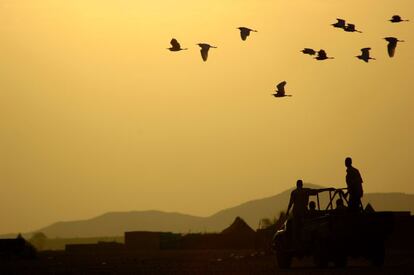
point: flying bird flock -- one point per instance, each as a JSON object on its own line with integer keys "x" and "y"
{"x": 365, "y": 52}
{"x": 204, "y": 47}
{"x": 320, "y": 55}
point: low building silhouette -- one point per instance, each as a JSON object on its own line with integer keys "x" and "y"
{"x": 100, "y": 247}
{"x": 146, "y": 240}
{"x": 17, "y": 248}
{"x": 239, "y": 235}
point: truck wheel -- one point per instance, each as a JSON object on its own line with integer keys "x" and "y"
{"x": 320, "y": 255}
{"x": 284, "y": 259}
{"x": 378, "y": 255}
{"x": 340, "y": 261}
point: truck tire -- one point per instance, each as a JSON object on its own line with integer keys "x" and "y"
{"x": 284, "y": 259}
{"x": 378, "y": 254}
{"x": 340, "y": 261}
{"x": 320, "y": 255}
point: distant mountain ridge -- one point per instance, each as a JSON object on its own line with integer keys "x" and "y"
{"x": 116, "y": 223}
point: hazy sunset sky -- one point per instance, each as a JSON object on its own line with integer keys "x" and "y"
{"x": 96, "y": 115}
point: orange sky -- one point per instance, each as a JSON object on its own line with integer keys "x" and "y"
{"x": 96, "y": 115}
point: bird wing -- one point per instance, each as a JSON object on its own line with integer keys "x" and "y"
{"x": 281, "y": 87}
{"x": 174, "y": 43}
{"x": 308, "y": 51}
{"x": 341, "y": 22}
{"x": 391, "y": 48}
{"x": 244, "y": 34}
{"x": 365, "y": 51}
{"x": 396, "y": 18}
{"x": 204, "y": 53}
{"x": 322, "y": 54}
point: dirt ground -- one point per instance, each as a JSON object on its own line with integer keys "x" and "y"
{"x": 192, "y": 262}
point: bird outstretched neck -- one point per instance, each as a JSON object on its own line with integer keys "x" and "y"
{"x": 318, "y": 58}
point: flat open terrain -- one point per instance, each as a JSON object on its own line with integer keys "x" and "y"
{"x": 192, "y": 262}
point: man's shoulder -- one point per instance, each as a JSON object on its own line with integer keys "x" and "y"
{"x": 352, "y": 170}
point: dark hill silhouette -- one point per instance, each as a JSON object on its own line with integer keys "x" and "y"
{"x": 116, "y": 223}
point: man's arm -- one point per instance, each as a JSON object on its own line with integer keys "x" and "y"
{"x": 317, "y": 191}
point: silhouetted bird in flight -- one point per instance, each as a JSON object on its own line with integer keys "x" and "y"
{"x": 365, "y": 55}
{"x": 245, "y": 32}
{"x": 204, "y": 50}
{"x": 308, "y": 51}
{"x": 397, "y": 19}
{"x": 340, "y": 24}
{"x": 322, "y": 55}
{"x": 280, "y": 90}
{"x": 175, "y": 46}
{"x": 392, "y": 44}
{"x": 351, "y": 28}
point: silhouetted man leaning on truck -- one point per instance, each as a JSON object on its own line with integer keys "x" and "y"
{"x": 299, "y": 199}
{"x": 354, "y": 184}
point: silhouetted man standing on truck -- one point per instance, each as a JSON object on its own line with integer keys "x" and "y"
{"x": 299, "y": 199}
{"x": 354, "y": 184}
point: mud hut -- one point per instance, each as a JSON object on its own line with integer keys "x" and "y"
{"x": 239, "y": 235}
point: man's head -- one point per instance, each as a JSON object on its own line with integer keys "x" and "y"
{"x": 299, "y": 184}
{"x": 339, "y": 203}
{"x": 348, "y": 162}
{"x": 312, "y": 205}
